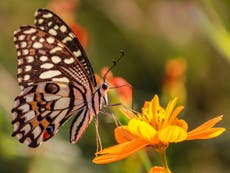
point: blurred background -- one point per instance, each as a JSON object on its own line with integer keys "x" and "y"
{"x": 172, "y": 48}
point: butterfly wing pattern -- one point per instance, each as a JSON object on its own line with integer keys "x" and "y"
{"x": 56, "y": 81}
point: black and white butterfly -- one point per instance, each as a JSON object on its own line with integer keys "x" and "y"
{"x": 56, "y": 80}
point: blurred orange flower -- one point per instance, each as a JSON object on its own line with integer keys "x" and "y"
{"x": 174, "y": 79}
{"x": 122, "y": 87}
{"x": 156, "y": 127}
{"x": 157, "y": 169}
{"x": 67, "y": 9}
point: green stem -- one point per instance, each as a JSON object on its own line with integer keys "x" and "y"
{"x": 164, "y": 160}
{"x": 145, "y": 159}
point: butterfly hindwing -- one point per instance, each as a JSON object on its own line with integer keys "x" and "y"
{"x": 79, "y": 124}
{"x": 54, "y": 25}
{"x": 41, "y": 109}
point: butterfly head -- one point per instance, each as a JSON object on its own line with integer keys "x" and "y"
{"x": 105, "y": 86}
{"x": 103, "y": 90}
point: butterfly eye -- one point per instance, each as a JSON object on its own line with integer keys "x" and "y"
{"x": 51, "y": 88}
{"x": 104, "y": 86}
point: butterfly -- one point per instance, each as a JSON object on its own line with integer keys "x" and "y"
{"x": 56, "y": 81}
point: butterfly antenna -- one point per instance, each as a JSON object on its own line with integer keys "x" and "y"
{"x": 122, "y": 53}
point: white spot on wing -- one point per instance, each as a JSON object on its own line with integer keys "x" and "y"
{"x": 28, "y": 68}
{"x": 19, "y": 136}
{"x": 41, "y": 40}
{"x": 23, "y": 44}
{"x": 21, "y": 37}
{"x": 26, "y": 77}
{"x": 63, "y": 28}
{"x": 50, "y": 40}
{"x": 25, "y": 51}
{"x": 33, "y": 38}
{"x": 40, "y": 21}
{"x": 43, "y": 58}
{"x": 16, "y": 126}
{"x": 56, "y": 27}
{"x": 48, "y": 15}
{"x": 30, "y": 31}
{"x": 67, "y": 39}
{"x": 20, "y": 61}
{"x": 47, "y": 65}
{"x": 52, "y": 32}
{"x": 15, "y": 38}
{"x": 14, "y": 116}
{"x": 71, "y": 34}
{"x": 56, "y": 59}
{"x": 19, "y": 79}
{"x": 63, "y": 79}
{"x": 50, "y": 23}
{"x": 19, "y": 70}
{"x": 69, "y": 61}
{"x": 19, "y": 53}
{"x": 55, "y": 49}
{"x": 37, "y": 45}
{"x": 27, "y": 141}
{"x": 29, "y": 59}
{"x": 77, "y": 53}
{"x": 49, "y": 74}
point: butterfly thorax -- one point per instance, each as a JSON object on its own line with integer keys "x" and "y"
{"x": 98, "y": 99}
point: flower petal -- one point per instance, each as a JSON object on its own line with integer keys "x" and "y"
{"x": 141, "y": 129}
{"x": 169, "y": 109}
{"x": 123, "y": 135}
{"x": 175, "y": 113}
{"x": 208, "y": 124}
{"x": 172, "y": 134}
{"x": 206, "y": 130}
{"x": 120, "y": 151}
{"x": 206, "y": 134}
{"x": 158, "y": 169}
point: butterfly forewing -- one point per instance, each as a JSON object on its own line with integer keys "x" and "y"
{"x": 54, "y": 25}
{"x": 41, "y": 58}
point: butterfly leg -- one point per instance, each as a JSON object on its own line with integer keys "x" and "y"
{"x": 98, "y": 139}
{"x": 111, "y": 114}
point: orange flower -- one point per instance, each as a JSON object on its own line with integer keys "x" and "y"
{"x": 156, "y": 127}
{"x": 81, "y": 34}
{"x": 157, "y": 169}
{"x": 122, "y": 87}
{"x": 174, "y": 79}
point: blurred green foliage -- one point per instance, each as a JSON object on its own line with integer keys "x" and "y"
{"x": 151, "y": 33}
